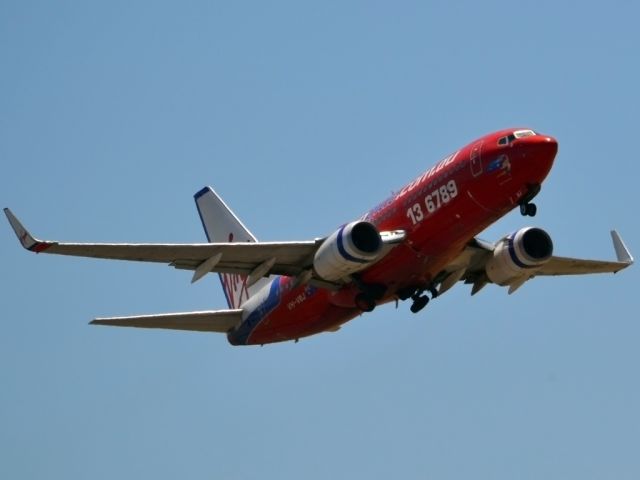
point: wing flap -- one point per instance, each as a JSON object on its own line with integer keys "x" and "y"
{"x": 208, "y": 321}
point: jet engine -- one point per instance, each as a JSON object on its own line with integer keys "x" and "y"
{"x": 519, "y": 253}
{"x": 352, "y": 248}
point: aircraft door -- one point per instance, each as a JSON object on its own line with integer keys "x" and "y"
{"x": 476, "y": 159}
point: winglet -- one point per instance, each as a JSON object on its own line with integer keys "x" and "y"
{"x": 27, "y": 240}
{"x": 622, "y": 252}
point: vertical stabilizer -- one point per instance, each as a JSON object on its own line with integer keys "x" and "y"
{"x": 222, "y": 226}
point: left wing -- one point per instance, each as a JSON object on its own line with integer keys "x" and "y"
{"x": 577, "y": 266}
{"x": 470, "y": 266}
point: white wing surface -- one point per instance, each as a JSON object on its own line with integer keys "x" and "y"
{"x": 256, "y": 260}
{"x": 291, "y": 258}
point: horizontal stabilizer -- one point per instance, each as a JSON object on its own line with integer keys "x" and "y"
{"x": 209, "y": 321}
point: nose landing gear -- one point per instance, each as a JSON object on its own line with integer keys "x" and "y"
{"x": 528, "y": 209}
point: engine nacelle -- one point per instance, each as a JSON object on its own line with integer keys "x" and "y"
{"x": 350, "y": 249}
{"x": 517, "y": 253}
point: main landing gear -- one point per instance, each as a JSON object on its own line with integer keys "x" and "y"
{"x": 420, "y": 300}
{"x": 369, "y": 296}
{"x": 367, "y": 299}
{"x": 365, "y": 302}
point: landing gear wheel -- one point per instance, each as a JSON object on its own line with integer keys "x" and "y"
{"x": 532, "y": 209}
{"x": 365, "y": 302}
{"x": 528, "y": 209}
{"x": 419, "y": 303}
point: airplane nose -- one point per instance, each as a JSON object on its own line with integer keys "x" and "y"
{"x": 549, "y": 144}
{"x": 543, "y": 147}
{"x": 540, "y": 152}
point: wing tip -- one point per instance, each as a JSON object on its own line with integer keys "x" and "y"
{"x": 622, "y": 252}
{"x": 25, "y": 238}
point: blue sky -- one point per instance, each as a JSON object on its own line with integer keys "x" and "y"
{"x": 302, "y": 116}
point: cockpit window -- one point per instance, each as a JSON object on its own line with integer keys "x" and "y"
{"x": 523, "y": 133}
{"x": 506, "y": 140}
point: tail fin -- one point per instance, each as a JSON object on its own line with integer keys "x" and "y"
{"x": 221, "y": 225}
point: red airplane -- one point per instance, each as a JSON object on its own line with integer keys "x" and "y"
{"x": 420, "y": 241}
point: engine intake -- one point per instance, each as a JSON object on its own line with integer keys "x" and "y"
{"x": 519, "y": 253}
{"x": 352, "y": 248}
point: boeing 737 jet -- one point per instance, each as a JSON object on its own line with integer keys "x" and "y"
{"x": 414, "y": 246}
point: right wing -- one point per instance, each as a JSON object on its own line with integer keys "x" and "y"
{"x": 256, "y": 260}
{"x": 211, "y": 321}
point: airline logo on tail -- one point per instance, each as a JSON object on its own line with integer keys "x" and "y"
{"x": 221, "y": 224}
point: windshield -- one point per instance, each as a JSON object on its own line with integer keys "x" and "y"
{"x": 523, "y": 133}
{"x": 506, "y": 140}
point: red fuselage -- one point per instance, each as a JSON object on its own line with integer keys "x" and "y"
{"x": 440, "y": 211}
